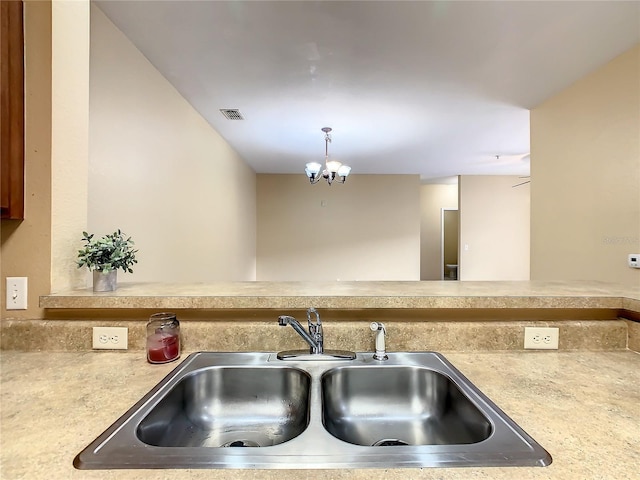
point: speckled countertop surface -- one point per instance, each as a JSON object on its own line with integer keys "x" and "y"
{"x": 583, "y": 407}
{"x": 353, "y": 295}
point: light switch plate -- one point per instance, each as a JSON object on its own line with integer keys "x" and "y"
{"x": 16, "y": 293}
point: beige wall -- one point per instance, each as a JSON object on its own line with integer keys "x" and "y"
{"x": 366, "y": 229}
{"x": 494, "y": 228}
{"x": 433, "y": 198}
{"x": 69, "y": 137}
{"x": 26, "y": 245}
{"x": 159, "y": 172}
{"x": 585, "y": 167}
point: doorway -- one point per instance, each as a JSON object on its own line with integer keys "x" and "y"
{"x": 449, "y": 244}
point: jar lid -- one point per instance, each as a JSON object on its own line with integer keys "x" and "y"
{"x": 163, "y": 315}
{"x": 164, "y": 319}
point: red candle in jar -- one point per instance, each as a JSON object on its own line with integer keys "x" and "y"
{"x": 163, "y": 338}
{"x": 163, "y": 347}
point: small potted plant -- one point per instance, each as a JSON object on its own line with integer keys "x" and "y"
{"x": 104, "y": 256}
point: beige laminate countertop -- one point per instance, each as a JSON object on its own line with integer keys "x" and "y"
{"x": 353, "y": 295}
{"x": 583, "y": 407}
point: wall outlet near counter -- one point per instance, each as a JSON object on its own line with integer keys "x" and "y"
{"x": 541, "y": 338}
{"x": 110, "y": 338}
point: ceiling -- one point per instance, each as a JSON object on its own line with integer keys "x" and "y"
{"x": 430, "y": 88}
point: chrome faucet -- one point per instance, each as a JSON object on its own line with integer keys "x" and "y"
{"x": 381, "y": 349}
{"x": 314, "y": 338}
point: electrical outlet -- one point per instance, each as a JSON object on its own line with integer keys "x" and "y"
{"x": 541, "y": 338}
{"x": 16, "y": 293}
{"x": 110, "y": 338}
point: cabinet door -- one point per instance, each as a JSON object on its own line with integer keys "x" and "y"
{"x": 12, "y": 109}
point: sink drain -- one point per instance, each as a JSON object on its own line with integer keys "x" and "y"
{"x": 389, "y": 442}
{"x": 241, "y": 443}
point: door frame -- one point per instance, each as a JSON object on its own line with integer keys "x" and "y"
{"x": 442, "y": 210}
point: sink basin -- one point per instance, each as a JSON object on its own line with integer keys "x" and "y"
{"x": 230, "y": 407}
{"x": 413, "y": 410}
{"x": 397, "y": 405}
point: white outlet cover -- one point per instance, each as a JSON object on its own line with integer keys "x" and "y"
{"x": 541, "y": 338}
{"x": 110, "y": 338}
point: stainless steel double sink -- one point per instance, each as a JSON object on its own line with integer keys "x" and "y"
{"x": 252, "y": 410}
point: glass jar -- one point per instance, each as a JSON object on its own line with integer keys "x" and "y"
{"x": 163, "y": 338}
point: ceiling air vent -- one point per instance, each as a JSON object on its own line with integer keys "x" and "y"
{"x": 232, "y": 113}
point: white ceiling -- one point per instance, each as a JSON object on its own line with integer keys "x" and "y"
{"x": 432, "y": 88}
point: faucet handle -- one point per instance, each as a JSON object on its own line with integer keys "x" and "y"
{"x": 315, "y": 328}
{"x": 317, "y": 323}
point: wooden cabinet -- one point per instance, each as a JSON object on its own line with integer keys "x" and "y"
{"x": 12, "y": 109}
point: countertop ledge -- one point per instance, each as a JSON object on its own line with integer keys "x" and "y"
{"x": 353, "y": 295}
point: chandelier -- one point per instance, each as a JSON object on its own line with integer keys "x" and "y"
{"x": 332, "y": 168}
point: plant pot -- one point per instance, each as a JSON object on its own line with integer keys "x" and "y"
{"x": 105, "y": 282}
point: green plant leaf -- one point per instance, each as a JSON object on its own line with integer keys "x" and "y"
{"x": 110, "y": 252}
